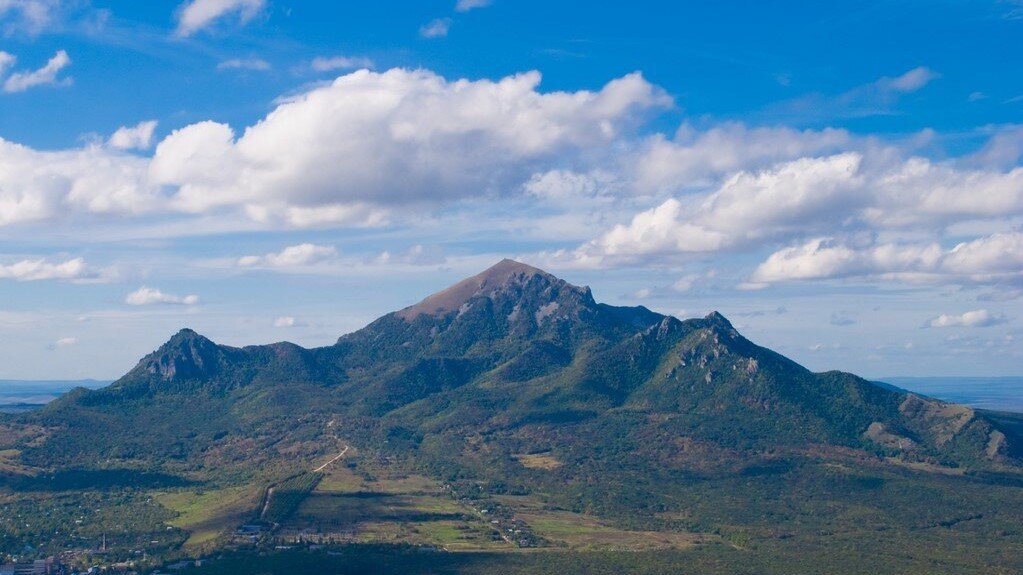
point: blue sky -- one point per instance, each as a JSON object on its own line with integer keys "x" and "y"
{"x": 843, "y": 182}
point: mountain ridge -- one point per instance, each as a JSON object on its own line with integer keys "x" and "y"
{"x": 517, "y": 340}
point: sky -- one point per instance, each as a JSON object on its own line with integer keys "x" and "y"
{"x": 842, "y": 181}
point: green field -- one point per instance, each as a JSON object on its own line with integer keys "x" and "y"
{"x": 205, "y": 515}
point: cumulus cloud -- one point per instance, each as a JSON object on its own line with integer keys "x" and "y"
{"x": 334, "y": 63}
{"x": 302, "y": 255}
{"x": 47, "y": 75}
{"x": 395, "y": 137}
{"x": 75, "y": 270}
{"x": 253, "y": 64}
{"x": 698, "y": 158}
{"x": 437, "y": 28}
{"x": 197, "y": 15}
{"x": 137, "y": 137}
{"x": 1004, "y": 148}
{"x": 287, "y": 321}
{"x": 920, "y": 191}
{"x": 151, "y": 296}
{"x": 284, "y": 321}
{"x": 747, "y": 207}
{"x": 849, "y": 192}
{"x": 346, "y": 153}
{"x": 975, "y": 318}
{"x": 997, "y": 258}
{"x": 37, "y": 186}
{"x": 370, "y": 148}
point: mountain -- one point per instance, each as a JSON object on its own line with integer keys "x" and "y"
{"x": 516, "y": 382}
{"x": 518, "y": 353}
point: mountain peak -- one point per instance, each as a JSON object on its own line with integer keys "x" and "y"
{"x": 508, "y": 267}
{"x": 186, "y": 355}
{"x": 502, "y": 275}
{"x": 185, "y": 334}
{"x": 716, "y": 318}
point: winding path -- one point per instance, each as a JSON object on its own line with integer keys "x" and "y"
{"x": 338, "y": 456}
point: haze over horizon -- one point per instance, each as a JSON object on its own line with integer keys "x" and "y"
{"x": 844, "y": 184}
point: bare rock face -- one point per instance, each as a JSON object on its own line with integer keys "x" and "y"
{"x": 879, "y": 434}
{"x": 185, "y": 356}
{"x": 944, "y": 420}
{"x": 504, "y": 278}
{"x": 996, "y": 445}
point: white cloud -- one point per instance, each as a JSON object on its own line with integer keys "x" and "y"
{"x": 877, "y": 97}
{"x": 151, "y": 296}
{"x": 47, "y": 75}
{"x": 849, "y": 192}
{"x": 788, "y": 196}
{"x": 747, "y": 207}
{"x": 823, "y": 259}
{"x": 302, "y": 255}
{"x": 1003, "y": 149}
{"x": 920, "y": 192}
{"x": 28, "y": 16}
{"x": 253, "y": 64}
{"x": 196, "y": 15}
{"x": 333, "y": 63}
{"x": 989, "y": 257}
{"x": 34, "y": 270}
{"x": 437, "y": 28}
{"x": 659, "y": 231}
{"x": 975, "y": 318}
{"x": 406, "y": 137}
{"x": 417, "y": 255}
{"x": 697, "y": 158}
{"x": 344, "y": 154}
{"x": 371, "y": 148}
{"x": 137, "y": 137}
{"x": 567, "y": 186}
{"x": 7, "y": 60}
{"x": 466, "y": 5}
{"x": 37, "y": 186}
{"x": 910, "y": 81}
{"x": 65, "y": 341}
{"x": 686, "y": 282}
{"x": 997, "y": 258}
{"x": 287, "y": 321}
{"x": 356, "y": 214}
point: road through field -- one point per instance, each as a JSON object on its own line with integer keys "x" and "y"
{"x": 338, "y": 456}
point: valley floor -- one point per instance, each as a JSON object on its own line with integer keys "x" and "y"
{"x": 361, "y": 514}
